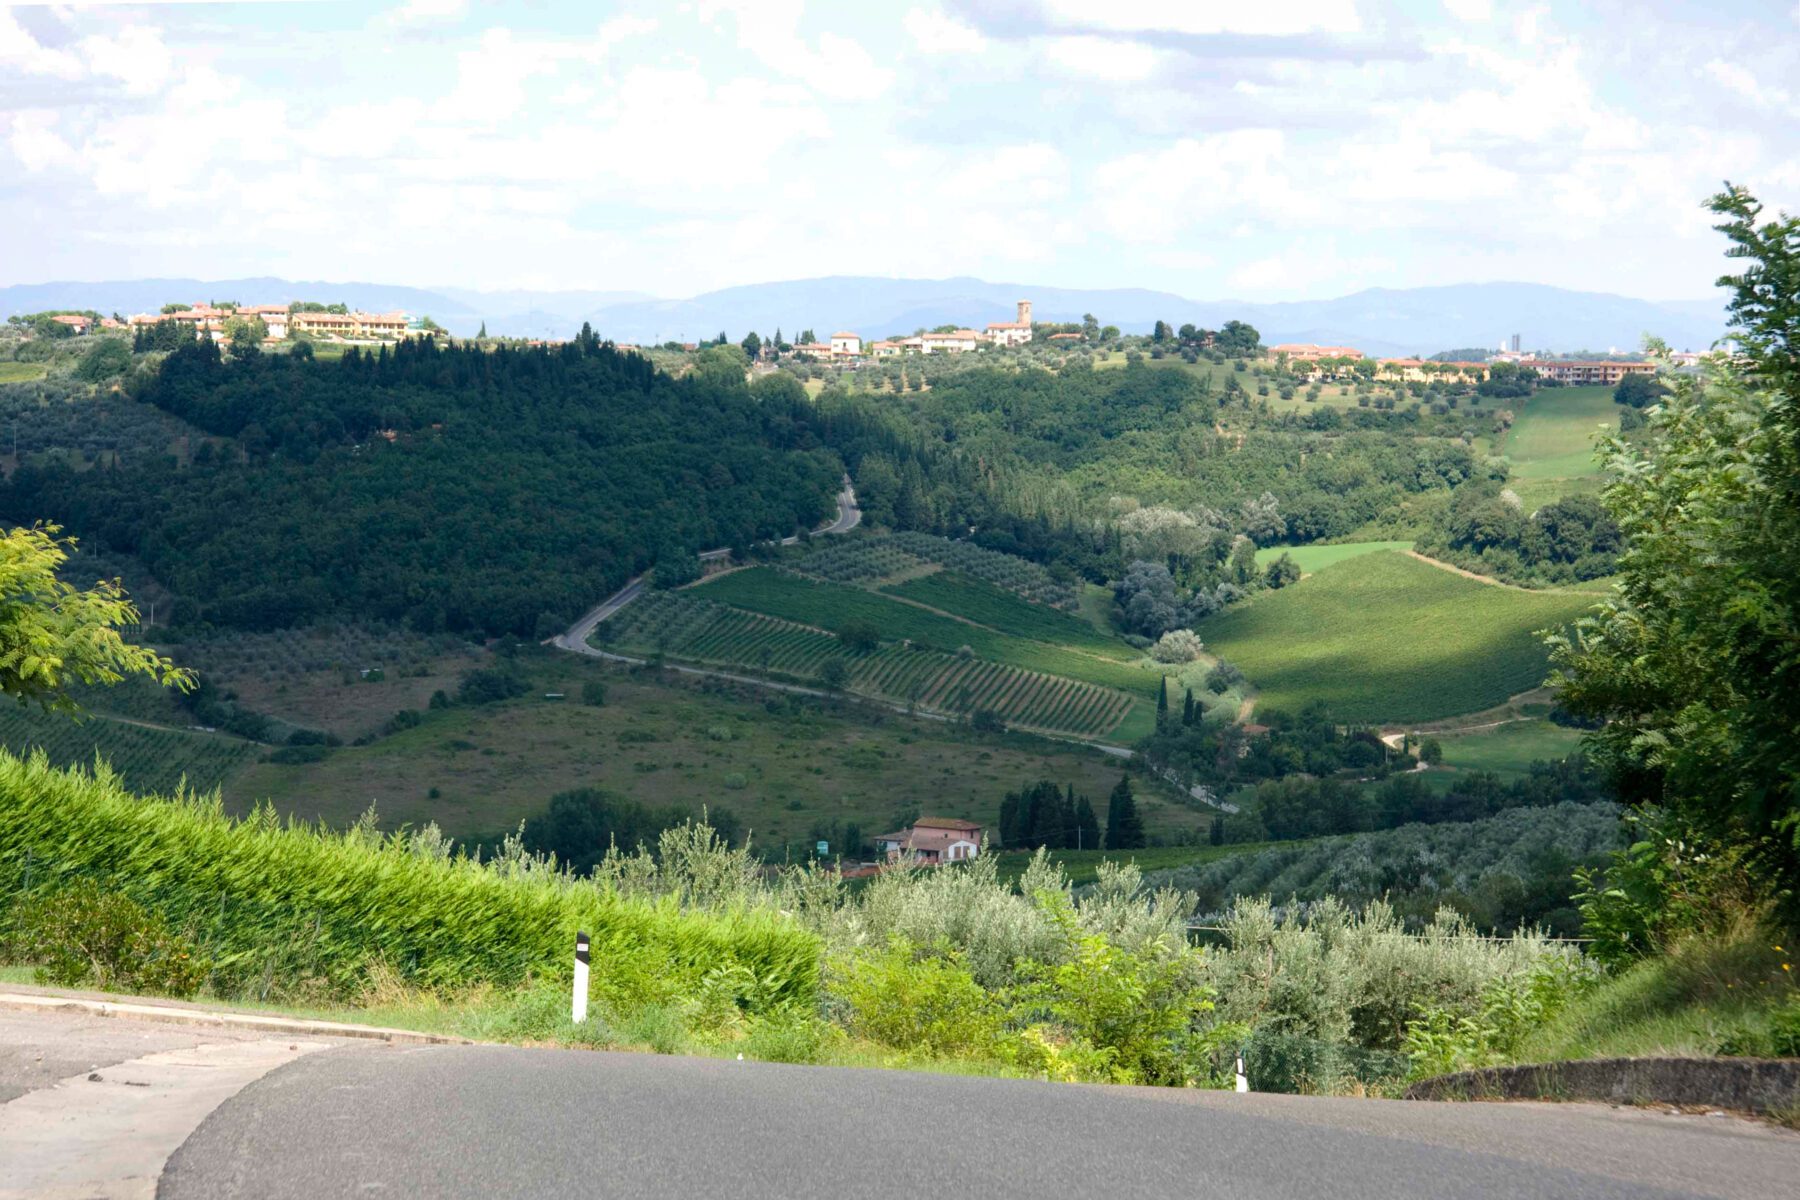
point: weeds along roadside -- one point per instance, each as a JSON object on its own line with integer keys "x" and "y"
{"x": 697, "y": 949}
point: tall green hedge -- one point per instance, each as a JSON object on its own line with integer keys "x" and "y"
{"x": 260, "y": 897}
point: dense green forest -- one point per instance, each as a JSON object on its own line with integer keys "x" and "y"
{"x": 456, "y": 488}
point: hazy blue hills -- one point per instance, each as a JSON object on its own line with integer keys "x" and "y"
{"x": 1378, "y": 320}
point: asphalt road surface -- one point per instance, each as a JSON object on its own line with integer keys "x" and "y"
{"x": 485, "y": 1121}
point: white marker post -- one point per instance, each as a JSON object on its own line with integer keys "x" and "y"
{"x": 1243, "y": 1080}
{"x": 578, "y": 1009}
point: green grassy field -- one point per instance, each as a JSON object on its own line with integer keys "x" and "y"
{"x": 781, "y": 768}
{"x": 1001, "y": 610}
{"x": 1317, "y": 558}
{"x": 1508, "y": 750}
{"x": 1553, "y": 437}
{"x": 1385, "y": 638}
{"x": 18, "y": 372}
{"x": 833, "y": 606}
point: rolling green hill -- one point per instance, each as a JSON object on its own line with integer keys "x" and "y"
{"x": 1317, "y": 558}
{"x": 1386, "y": 638}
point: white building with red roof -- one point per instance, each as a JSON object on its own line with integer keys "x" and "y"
{"x": 1012, "y": 333}
{"x": 931, "y": 841}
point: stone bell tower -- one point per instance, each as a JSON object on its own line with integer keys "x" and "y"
{"x": 1024, "y": 312}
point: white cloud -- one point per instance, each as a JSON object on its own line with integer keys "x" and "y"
{"x": 414, "y": 12}
{"x": 935, "y": 32}
{"x": 839, "y": 67}
{"x": 1735, "y": 78}
{"x": 1281, "y": 18}
{"x": 136, "y": 55}
{"x": 1469, "y": 10}
{"x": 1116, "y": 61}
{"x": 20, "y": 51}
{"x": 34, "y": 142}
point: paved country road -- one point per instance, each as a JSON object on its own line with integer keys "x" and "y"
{"x": 488, "y": 1121}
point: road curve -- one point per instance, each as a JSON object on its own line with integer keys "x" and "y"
{"x": 575, "y": 637}
{"x": 489, "y": 1121}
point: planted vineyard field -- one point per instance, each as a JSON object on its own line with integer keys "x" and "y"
{"x": 1498, "y": 853}
{"x": 699, "y": 631}
{"x": 148, "y": 760}
{"x": 875, "y": 557}
{"x": 1007, "y": 571}
{"x": 1386, "y": 638}
{"x": 996, "y": 608}
{"x": 833, "y": 606}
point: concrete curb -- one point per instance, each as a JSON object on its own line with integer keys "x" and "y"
{"x": 132, "y": 1010}
{"x": 1756, "y": 1085}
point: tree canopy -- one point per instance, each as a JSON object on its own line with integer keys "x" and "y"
{"x": 1694, "y": 661}
{"x": 53, "y": 634}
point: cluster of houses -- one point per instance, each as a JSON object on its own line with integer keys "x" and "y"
{"x": 205, "y": 320}
{"x": 1313, "y": 361}
{"x": 847, "y": 345}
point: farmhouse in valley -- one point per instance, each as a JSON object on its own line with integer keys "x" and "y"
{"x": 931, "y": 841}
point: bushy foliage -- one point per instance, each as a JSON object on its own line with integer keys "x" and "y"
{"x": 316, "y": 911}
{"x": 1694, "y": 660}
{"x": 81, "y": 935}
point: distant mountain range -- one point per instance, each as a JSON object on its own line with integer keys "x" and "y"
{"x": 1377, "y": 320}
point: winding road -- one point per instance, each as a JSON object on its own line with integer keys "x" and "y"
{"x": 575, "y": 637}
{"x": 112, "y": 1108}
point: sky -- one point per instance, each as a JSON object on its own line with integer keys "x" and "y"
{"x": 1261, "y": 151}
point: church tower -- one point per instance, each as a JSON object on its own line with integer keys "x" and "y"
{"x": 1024, "y": 312}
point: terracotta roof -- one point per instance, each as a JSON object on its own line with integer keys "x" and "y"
{"x": 946, "y": 823}
{"x": 840, "y": 334}
{"x": 1065, "y": 337}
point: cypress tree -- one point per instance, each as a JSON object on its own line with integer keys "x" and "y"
{"x": 1187, "y": 707}
{"x": 1009, "y": 820}
{"x": 1087, "y": 826}
{"x": 1162, "y": 701}
{"x": 1217, "y": 836}
{"x": 1124, "y": 826}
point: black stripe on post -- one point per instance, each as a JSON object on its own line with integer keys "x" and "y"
{"x": 581, "y": 947}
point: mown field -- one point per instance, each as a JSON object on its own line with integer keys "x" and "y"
{"x": 781, "y": 767}
{"x": 697, "y": 630}
{"x": 19, "y": 372}
{"x": 1553, "y": 437}
{"x": 148, "y": 760}
{"x": 1317, "y": 558}
{"x": 1508, "y": 750}
{"x": 1386, "y": 638}
{"x": 996, "y": 608}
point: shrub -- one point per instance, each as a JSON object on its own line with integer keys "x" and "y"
{"x": 593, "y": 694}
{"x": 488, "y": 686}
{"x": 901, "y": 997}
{"x": 80, "y": 934}
{"x": 1177, "y": 646}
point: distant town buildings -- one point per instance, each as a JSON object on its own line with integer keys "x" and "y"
{"x": 205, "y": 320}
{"x": 1308, "y": 352}
{"x": 846, "y": 344}
{"x": 1588, "y": 373}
